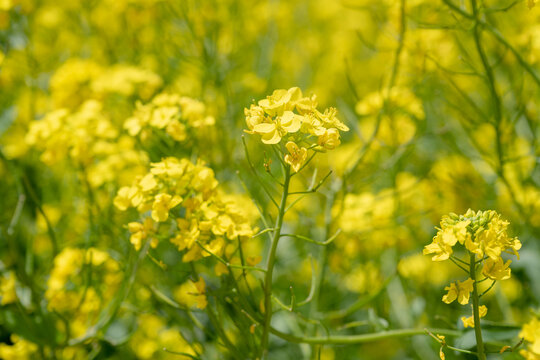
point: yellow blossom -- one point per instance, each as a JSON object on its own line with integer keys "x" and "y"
{"x": 20, "y": 349}
{"x": 127, "y": 196}
{"x": 330, "y": 139}
{"x": 163, "y": 203}
{"x": 296, "y": 157}
{"x": 272, "y": 132}
{"x": 254, "y": 116}
{"x": 469, "y": 321}
{"x": 531, "y": 333}
{"x": 7, "y": 289}
{"x": 280, "y": 101}
{"x": 192, "y": 293}
{"x": 460, "y": 291}
{"x": 140, "y": 232}
{"x": 497, "y": 269}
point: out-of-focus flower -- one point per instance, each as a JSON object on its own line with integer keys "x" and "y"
{"x": 459, "y": 290}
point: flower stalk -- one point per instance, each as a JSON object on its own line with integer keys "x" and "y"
{"x": 476, "y": 312}
{"x": 271, "y": 261}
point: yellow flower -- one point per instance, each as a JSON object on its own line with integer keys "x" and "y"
{"x": 330, "y": 120}
{"x": 272, "y": 132}
{"x": 330, "y": 139}
{"x": 460, "y": 291}
{"x": 192, "y": 293}
{"x": 127, "y": 196}
{"x": 296, "y": 157}
{"x": 306, "y": 105}
{"x": 163, "y": 116}
{"x": 497, "y": 269}
{"x": 215, "y": 247}
{"x": 254, "y": 116}
{"x": 469, "y": 321}
{"x": 170, "y": 167}
{"x": 281, "y": 100}
{"x": 441, "y": 245}
{"x": 220, "y": 269}
{"x": 188, "y": 233}
{"x": 177, "y": 130}
{"x": 140, "y": 232}
{"x": 531, "y": 333}
{"x": 7, "y": 289}
{"x": 162, "y": 204}
{"x": 20, "y": 349}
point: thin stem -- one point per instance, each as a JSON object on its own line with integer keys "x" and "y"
{"x": 462, "y": 350}
{"x": 252, "y": 167}
{"x": 489, "y": 288}
{"x": 271, "y": 261}
{"x": 262, "y": 232}
{"x": 359, "y": 339}
{"x": 476, "y": 312}
{"x": 461, "y": 261}
{"x": 312, "y": 287}
{"x": 459, "y": 266}
{"x": 16, "y": 214}
{"x": 226, "y": 263}
{"x": 321, "y": 243}
{"x": 500, "y": 38}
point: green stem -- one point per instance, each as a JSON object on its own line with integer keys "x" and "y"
{"x": 271, "y": 261}
{"x": 361, "y": 338}
{"x": 476, "y": 313}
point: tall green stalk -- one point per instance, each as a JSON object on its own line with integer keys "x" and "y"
{"x": 476, "y": 313}
{"x": 271, "y": 261}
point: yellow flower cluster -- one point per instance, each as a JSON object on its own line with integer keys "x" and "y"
{"x": 89, "y": 139}
{"x": 202, "y": 220}
{"x": 153, "y": 335}
{"x": 289, "y": 116}
{"x": 482, "y": 233}
{"x": 79, "y": 79}
{"x": 19, "y": 350}
{"x": 173, "y": 113}
{"x": 68, "y": 294}
{"x": 531, "y": 334}
{"x": 396, "y": 111}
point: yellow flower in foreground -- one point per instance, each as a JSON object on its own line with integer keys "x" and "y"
{"x": 441, "y": 245}
{"x": 274, "y": 131}
{"x": 254, "y": 116}
{"x": 162, "y": 204}
{"x": 296, "y": 157}
{"x": 281, "y": 100}
{"x": 445, "y": 239}
{"x": 497, "y": 269}
{"x": 330, "y": 139}
{"x": 469, "y": 321}
{"x": 460, "y": 291}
